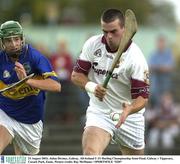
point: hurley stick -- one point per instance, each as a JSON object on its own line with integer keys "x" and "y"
{"x": 130, "y": 30}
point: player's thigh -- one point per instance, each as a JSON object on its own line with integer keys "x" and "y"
{"x": 95, "y": 140}
{"x": 129, "y": 151}
{"x": 5, "y": 138}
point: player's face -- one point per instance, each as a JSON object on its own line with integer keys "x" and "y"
{"x": 12, "y": 44}
{"x": 113, "y": 33}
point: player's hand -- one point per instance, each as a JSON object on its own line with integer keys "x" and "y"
{"x": 21, "y": 72}
{"x": 100, "y": 92}
{"x": 126, "y": 111}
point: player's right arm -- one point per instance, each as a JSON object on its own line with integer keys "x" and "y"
{"x": 79, "y": 79}
{"x": 83, "y": 82}
{"x": 47, "y": 84}
{"x": 82, "y": 68}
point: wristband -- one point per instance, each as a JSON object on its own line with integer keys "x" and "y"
{"x": 90, "y": 86}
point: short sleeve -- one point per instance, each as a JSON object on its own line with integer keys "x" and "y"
{"x": 43, "y": 66}
{"x": 140, "y": 79}
{"x": 86, "y": 53}
{"x": 83, "y": 63}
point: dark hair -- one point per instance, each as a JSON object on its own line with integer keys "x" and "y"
{"x": 110, "y": 15}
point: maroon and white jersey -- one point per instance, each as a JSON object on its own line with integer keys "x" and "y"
{"x": 129, "y": 80}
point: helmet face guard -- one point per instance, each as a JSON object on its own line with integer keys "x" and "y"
{"x": 11, "y": 29}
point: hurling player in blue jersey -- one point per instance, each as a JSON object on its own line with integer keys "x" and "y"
{"x": 22, "y": 107}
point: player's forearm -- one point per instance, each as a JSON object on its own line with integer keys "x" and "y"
{"x": 45, "y": 84}
{"x": 79, "y": 79}
{"x": 138, "y": 104}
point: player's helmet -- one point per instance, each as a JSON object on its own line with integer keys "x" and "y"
{"x": 10, "y": 29}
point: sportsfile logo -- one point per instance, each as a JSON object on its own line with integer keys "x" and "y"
{"x": 2, "y": 159}
{"x": 15, "y": 159}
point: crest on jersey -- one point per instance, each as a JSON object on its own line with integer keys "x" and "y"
{"x": 146, "y": 77}
{"x": 6, "y": 74}
{"x": 27, "y": 67}
{"x": 98, "y": 53}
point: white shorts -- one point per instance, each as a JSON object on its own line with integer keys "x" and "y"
{"x": 26, "y": 136}
{"x": 130, "y": 134}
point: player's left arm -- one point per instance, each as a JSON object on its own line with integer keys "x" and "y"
{"x": 137, "y": 104}
{"x": 139, "y": 89}
{"x": 47, "y": 84}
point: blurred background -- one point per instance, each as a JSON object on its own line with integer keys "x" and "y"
{"x": 59, "y": 28}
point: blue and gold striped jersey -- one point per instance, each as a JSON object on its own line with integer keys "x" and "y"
{"x": 24, "y": 103}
